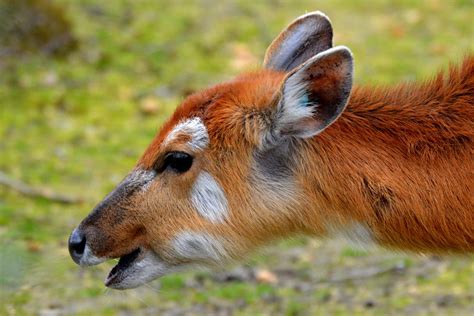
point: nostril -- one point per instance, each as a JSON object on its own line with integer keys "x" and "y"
{"x": 77, "y": 244}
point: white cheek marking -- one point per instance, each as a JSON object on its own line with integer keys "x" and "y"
{"x": 200, "y": 247}
{"x": 209, "y": 199}
{"x": 358, "y": 234}
{"x": 193, "y": 127}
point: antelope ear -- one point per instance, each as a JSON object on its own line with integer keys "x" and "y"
{"x": 314, "y": 95}
{"x": 305, "y": 37}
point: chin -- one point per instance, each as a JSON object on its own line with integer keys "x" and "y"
{"x": 135, "y": 269}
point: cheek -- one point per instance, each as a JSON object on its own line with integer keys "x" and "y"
{"x": 198, "y": 204}
{"x": 166, "y": 210}
{"x": 198, "y": 247}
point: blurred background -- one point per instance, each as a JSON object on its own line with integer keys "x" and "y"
{"x": 84, "y": 86}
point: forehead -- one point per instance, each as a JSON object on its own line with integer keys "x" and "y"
{"x": 216, "y": 112}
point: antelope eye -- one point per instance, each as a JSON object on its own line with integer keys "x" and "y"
{"x": 177, "y": 161}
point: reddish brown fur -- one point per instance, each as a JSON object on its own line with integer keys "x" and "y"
{"x": 224, "y": 107}
{"x": 395, "y": 168}
{"x": 401, "y": 159}
{"x": 388, "y": 161}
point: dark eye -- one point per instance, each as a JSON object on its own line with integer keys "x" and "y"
{"x": 177, "y": 161}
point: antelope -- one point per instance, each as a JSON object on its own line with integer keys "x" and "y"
{"x": 293, "y": 149}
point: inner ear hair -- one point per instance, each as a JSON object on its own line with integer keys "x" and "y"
{"x": 305, "y": 37}
{"x": 315, "y": 94}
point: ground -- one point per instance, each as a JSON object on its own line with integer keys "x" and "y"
{"x": 77, "y": 124}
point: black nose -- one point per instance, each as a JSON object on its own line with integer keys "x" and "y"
{"x": 77, "y": 244}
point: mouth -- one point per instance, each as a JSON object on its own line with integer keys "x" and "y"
{"x": 120, "y": 271}
{"x": 136, "y": 268}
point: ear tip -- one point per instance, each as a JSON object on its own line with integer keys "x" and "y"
{"x": 317, "y": 18}
{"x": 342, "y": 53}
{"x": 317, "y": 15}
{"x": 342, "y": 50}
{"x": 309, "y": 34}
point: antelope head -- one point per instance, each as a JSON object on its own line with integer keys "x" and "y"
{"x": 224, "y": 174}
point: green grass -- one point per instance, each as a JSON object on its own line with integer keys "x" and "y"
{"x": 76, "y": 125}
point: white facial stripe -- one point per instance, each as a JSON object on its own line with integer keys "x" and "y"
{"x": 209, "y": 199}
{"x": 195, "y": 128}
{"x": 200, "y": 247}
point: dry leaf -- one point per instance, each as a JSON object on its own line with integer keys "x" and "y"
{"x": 266, "y": 276}
{"x": 149, "y": 105}
{"x": 33, "y": 246}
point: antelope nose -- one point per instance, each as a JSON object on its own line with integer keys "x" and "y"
{"x": 77, "y": 244}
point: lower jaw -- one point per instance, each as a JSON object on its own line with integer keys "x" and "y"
{"x": 119, "y": 271}
{"x": 113, "y": 281}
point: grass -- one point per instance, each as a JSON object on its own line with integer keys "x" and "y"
{"x": 78, "y": 124}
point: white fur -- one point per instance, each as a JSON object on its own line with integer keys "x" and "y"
{"x": 199, "y": 247}
{"x": 209, "y": 199}
{"x": 143, "y": 271}
{"x": 274, "y": 194}
{"x": 195, "y": 128}
{"x": 294, "y": 106}
{"x": 89, "y": 259}
{"x": 358, "y": 234}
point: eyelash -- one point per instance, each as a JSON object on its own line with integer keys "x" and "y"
{"x": 177, "y": 161}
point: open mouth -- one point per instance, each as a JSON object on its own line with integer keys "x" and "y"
{"x": 118, "y": 272}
